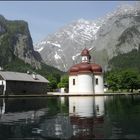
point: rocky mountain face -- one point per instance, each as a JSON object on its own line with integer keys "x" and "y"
{"x": 116, "y": 33}
{"x": 62, "y": 48}
{"x": 16, "y": 42}
{"x": 120, "y": 34}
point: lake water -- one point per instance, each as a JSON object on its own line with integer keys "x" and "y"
{"x": 113, "y": 117}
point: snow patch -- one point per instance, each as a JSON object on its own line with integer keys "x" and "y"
{"x": 60, "y": 50}
{"x": 57, "y": 45}
{"x": 72, "y": 36}
{"x": 42, "y": 43}
{"x": 39, "y": 49}
{"x": 54, "y": 44}
{"x": 56, "y": 56}
{"x": 73, "y": 57}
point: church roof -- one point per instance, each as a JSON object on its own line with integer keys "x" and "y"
{"x": 85, "y": 67}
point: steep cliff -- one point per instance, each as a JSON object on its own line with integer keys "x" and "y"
{"x": 16, "y": 42}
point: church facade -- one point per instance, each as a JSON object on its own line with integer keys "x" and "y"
{"x": 86, "y": 77}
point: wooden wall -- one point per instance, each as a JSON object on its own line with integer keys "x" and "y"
{"x": 20, "y": 87}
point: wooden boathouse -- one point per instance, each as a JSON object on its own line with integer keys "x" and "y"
{"x": 22, "y": 83}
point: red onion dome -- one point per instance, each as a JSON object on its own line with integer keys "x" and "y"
{"x": 85, "y": 68}
{"x": 96, "y": 68}
{"x": 74, "y": 70}
{"x": 85, "y": 52}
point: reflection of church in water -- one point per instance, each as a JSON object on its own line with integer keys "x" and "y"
{"x": 85, "y": 120}
{"x": 86, "y": 117}
{"x": 86, "y": 77}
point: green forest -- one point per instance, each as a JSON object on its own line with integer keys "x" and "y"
{"x": 126, "y": 60}
{"x": 125, "y": 72}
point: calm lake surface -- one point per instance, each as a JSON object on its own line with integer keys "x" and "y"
{"x": 113, "y": 117}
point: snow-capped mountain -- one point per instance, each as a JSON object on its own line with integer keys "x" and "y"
{"x": 60, "y": 49}
{"x": 117, "y": 32}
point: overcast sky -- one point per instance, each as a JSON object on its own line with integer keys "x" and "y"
{"x": 46, "y": 17}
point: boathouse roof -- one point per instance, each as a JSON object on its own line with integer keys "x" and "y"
{"x": 17, "y": 76}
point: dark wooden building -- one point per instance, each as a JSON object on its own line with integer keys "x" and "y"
{"x": 22, "y": 83}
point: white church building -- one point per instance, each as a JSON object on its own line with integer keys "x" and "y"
{"x": 86, "y": 77}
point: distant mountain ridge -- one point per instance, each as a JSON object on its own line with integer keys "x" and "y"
{"x": 118, "y": 32}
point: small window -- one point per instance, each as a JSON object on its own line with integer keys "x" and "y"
{"x": 96, "y": 81}
{"x": 73, "y": 81}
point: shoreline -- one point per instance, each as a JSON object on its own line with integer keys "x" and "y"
{"x": 58, "y": 94}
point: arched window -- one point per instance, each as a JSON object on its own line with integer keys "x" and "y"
{"x": 73, "y": 81}
{"x": 96, "y": 81}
